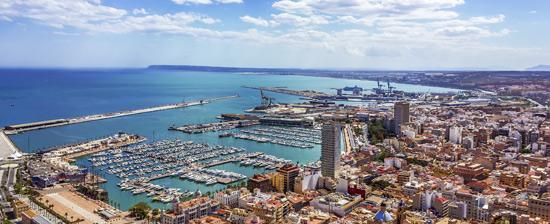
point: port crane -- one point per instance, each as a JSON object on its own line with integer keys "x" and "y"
{"x": 338, "y": 91}
{"x": 266, "y": 100}
{"x": 380, "y": 88}
{"x": 390, "y": 88}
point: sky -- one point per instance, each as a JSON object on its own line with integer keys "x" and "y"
{"x": 344, "y": 34}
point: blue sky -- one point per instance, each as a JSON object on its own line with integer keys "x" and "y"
{"x": 375, "y": 34}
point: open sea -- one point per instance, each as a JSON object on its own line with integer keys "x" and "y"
{"x": 28, "y": 95}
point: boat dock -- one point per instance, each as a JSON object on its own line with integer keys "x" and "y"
{"x": 207, "y": 165}
{"x": 246, "y": 156}
{"x": 293, "y": 137}
{"x": 19, "y": 128}
{"x": 217, "y": 126}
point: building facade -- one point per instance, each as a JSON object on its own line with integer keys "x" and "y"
{"x": 289, "y": 172}
{"x": 330, "y": 149}
{"x": 184, "y": 212}
{"x": 400, "y": 115}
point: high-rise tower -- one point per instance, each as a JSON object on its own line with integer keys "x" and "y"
{"x": 400, "y": 115}
{"x": 330, "y": 149}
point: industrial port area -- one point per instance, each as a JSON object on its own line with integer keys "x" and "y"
{"x": 352, "y": 138}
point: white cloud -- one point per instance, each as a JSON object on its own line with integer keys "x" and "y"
{"x": 533, "y": 12}
{"x": 181, "y": 2}
{"x": 487, "y": 20}
{"x": 396, "y": 28}
{"x": 288, "y": 18}
{"x": 205, "y": 2}
{"x": 57, "y": 13}
{"x": 94, "y": 17}
{"x": 230, "y": 1}
{"x": 363, "y": 7}
{"x": 140, "y": 11}
{"x": 395, "y": 20}
{"x": 369, "y": 12}
{"x": 255, "y": 21}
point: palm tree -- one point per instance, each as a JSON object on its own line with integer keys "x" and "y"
{"x": 66, "y": 214}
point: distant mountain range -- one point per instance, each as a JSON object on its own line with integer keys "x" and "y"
{"x": 539, "y": 68}
{"x": 309, "y": 71}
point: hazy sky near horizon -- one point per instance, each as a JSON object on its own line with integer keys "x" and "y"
{"x": 376, "y": 34}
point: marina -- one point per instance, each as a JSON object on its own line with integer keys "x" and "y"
{"x": 152, "y": 161}
{"x": 259, "y": 139}
{"x": 287, "y": 136}
{"x": 137, "y": 166}
{"x": 267, "y": 161}
{"x": 211, "y": 127}
{"x": 212, "y": 176}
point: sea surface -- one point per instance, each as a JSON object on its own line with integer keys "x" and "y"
{"x": 29, "y": 95}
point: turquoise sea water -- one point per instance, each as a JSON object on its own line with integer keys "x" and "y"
{"x": 41, "y": 94}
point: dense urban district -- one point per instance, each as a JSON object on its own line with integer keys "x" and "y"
{"x": 471, "y": 156}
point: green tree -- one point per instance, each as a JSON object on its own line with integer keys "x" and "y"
{"x": 380, "y": 184}
{"x": 140, "y": 210}
{"x": 377, "y": 132}
{"x": 382, "y": 155}
{"x": 525, "y": 151}
{"x": 19, "y": 188}
{"x": 417, "y": 162}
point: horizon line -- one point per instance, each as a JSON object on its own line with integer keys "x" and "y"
{"x": 270, "y": 68}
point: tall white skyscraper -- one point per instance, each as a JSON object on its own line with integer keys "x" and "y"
{"x": 330, "y": 149}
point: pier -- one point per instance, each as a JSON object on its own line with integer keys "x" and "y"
{"x": 19, "y": 128}
{"x": 247, "y": 156}
{"x": 217, "y": 126}
{"x": 207, "y": 165}
{"x": 304, "y": 93}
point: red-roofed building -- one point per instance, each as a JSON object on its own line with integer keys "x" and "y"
{"x": 441, "y": 206}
